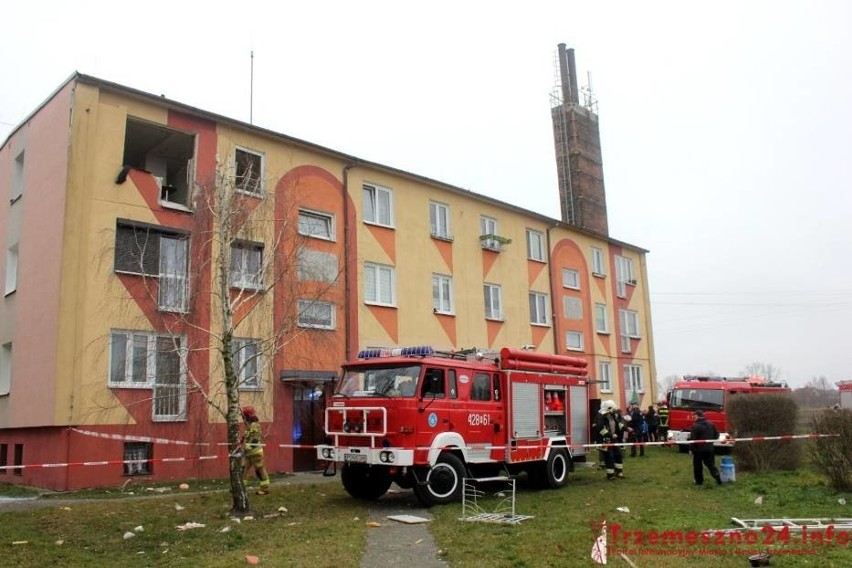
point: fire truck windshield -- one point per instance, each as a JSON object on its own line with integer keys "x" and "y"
{"x": 695, "y": 399}
{"x": 380, "y": 381}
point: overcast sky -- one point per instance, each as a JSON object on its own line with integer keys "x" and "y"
{"x": 726, "y": 128}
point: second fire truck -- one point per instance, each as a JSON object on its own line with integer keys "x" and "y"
{"x": 428, "y": 420}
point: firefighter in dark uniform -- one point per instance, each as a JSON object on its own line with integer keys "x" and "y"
{"x": 609, "y": 429}
{"x": 663, "y": 417}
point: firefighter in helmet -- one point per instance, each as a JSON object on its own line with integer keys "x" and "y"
{"x": 663, "y": 416}
{"x": 253, "y": 449}
{"x": 609, "y": 429}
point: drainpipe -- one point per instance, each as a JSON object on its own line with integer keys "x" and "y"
{"x": 347, "y": 286}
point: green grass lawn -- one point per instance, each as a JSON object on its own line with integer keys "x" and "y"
{"x": 323, "y": 526}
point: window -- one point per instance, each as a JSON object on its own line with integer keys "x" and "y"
{"x": 572, "y": 308}
{"x": 248, "y": 171}
{"x": 605, "y": 376}
{"x": 166, "y": 153}
{"x": 11, "y": 269}
{"x": 137, "y": 458}
{"x": 17, "y": 178}
{"x": 6, "y": 368}
{"x": 598, "y": 266}
{"x": 623, "y": 275}
{"x": 442, "y": 294}
{"x": 378, "y": 205}
{"x": 535, "y": 245}
{"x": 4, "y": 458}
{"x": 317, "y": 315}
{"x": 493, "y": 302}
{"x": 488, "y": 228}
{"x": 633, "y": 378}
{"x": 19, "y": 460}
{"x": 379, "y": 284}
{"x": 247, "y": 266}
{"x": 601, "y": 323}
{"x": 629, "y": 323}
{"x": 140, "y": 359}
{"x": 315, "y": 224}
{"x": 247, "y": 362}
{"x": 150, "y": 251}
{"x": 574, "y": 340}
{"x": 538, "y": 308}
{"x": 317, "y": 265}
{"x": 481, "y": 387}
{"x": 571, "y": 278}
{"x": 439, "y": 220}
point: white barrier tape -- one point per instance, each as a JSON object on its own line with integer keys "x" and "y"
{"x": 312, "y": 447}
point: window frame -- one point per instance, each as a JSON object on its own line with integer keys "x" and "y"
{"x": 605, "y": 376}
{"x": 442, "y": 294}
{"x": 258, "y": 182}
{"x": 572, "y": 308}
{"x": 6, "y": 367}
{"x": 489, "y": 226}
{"x": 437, "y": 210}
{"x": 489, "y": 291}
{"x": 11, "y": 276}
{"x": 598, "y": 263}
{"x": 241, "y": 252}
{"x": 537, "y": 318}
{"x": 623, "y": 275}
{"x": 629, "y": 320}
{"x": 304, "y": 305}
{"x": 569, "y": 275}
{"x": 327, "y": 219}
{"x": 240, "y": 351}
{"x": 580, "y": 344}
{"x": 374, "y": 191}
{"x": 16, "y": 190}
{"x": 377, "y": 269}
{"x": 601, "y": 310}
{"x": 532, "y": 253}
{"x": 129, "y": 453}
{"x": 633, "y": 378}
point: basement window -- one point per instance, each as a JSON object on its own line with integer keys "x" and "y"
{"x": 164, "y": 152}
{"x": 137, "y": 456}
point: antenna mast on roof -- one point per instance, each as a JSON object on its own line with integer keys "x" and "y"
{"x": 251, "y": 90}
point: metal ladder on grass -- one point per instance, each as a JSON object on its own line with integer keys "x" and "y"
{"x": 794, "y": 524}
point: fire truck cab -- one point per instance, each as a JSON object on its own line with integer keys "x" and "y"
{"x": 711, "y": 395}
{"x": 427, "y": 420}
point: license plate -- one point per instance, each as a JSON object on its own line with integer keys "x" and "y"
{"x": 355, "y": 458}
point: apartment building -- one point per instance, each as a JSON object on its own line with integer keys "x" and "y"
{"x": 121, "y": 208}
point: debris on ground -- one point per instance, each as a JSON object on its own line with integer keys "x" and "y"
{"x": 623, "y": 509}
{"x": 128, "y": 535}
{"x": 178, "y": 507}
{"x": 252, "y": 559}
{"x": 190, "y": 525}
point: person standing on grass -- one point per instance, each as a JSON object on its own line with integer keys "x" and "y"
{"x": 609, "y": 429}
{"x": 253, "y": 449}
{"x": 640, "y": 431}
{"x": 663, "y": 416}
{"x": 703, "y": 454}
{"x": 653, "y": 423}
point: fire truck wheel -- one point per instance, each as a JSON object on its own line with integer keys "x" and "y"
{"x": 444, "y": 481}
{"x": 365, "y": 482}
{"x": 556, "y": 470}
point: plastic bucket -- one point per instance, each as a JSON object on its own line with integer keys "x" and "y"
{"x": 728, "y": 471}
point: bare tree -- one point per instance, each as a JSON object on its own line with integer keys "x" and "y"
{"x": 243, "y": 270}
{"x": 667, "y": 384}
{"x": 767, "y": 371}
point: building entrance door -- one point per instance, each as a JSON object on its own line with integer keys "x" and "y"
{"x": 309, "y": 422}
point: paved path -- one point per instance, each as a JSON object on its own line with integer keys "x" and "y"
{"x": 400, "y": 544}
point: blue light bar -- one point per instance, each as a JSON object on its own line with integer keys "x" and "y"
{"x": 414, "y": 351}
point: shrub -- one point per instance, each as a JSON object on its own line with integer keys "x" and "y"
{"x": 765, "y": 415}
{"x": 833, "y": 456}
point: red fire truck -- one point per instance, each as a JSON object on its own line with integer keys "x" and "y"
{"x": 426, "y": 420}
{"x": 710, "y": 394}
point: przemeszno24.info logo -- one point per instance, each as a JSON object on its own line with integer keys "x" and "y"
{"x": 615, "y": 540}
